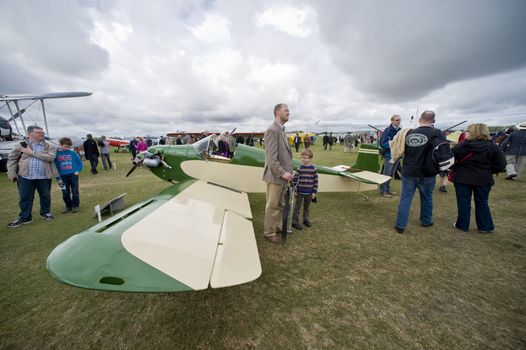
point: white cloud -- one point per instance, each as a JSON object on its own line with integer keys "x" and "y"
{"x": 294, "y": 21}
{"x": 266, "y": 72}
{"x": 214, "y": 29}
{"x": 217, "y": 66}
{"x": 163, "y": 65}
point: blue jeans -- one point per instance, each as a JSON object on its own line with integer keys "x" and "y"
{"x": 425, "y": 187}
{"x": 482, "y": 212}
{"x": 26, "y": 190}
{"x": 70, "y": 194}
{"x": 389, "y": 170}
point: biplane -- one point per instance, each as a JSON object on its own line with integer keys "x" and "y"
{"x": 197, "y": 233}
{"x": 118, "y": 142}
{"x": 12, "y": 102}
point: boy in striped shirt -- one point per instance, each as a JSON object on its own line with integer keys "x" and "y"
{"x": 306, "y": 178}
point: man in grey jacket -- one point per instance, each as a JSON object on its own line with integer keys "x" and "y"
{"x": 30, "y": 165}
{"x": 277, "y": 172}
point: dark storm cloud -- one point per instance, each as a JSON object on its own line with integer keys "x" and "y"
{"x": 406, "y": 49}
{"x": 40, "y": 38}
{"x": 14, "y": 79}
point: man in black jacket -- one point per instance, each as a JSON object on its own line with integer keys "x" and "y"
{"x": 91, "y": 152}
{"x": 414, "y": 173}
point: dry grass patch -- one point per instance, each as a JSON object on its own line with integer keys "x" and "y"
{"x": 349, "y": 282}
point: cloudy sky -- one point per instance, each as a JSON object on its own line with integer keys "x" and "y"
{"x": 162, "y": 65}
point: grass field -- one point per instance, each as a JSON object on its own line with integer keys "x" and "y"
{"x": 349, "y": 282}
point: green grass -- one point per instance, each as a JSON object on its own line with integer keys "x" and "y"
{"x": 349, "y": 282}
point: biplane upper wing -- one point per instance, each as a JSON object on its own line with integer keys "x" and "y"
{"x": 21, "y": 97}
{"x": 192, "y": 235}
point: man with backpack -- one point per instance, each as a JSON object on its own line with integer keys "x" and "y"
{"x": 426, "y": 153}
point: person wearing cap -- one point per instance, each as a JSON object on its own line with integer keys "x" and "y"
{"x": 514, "y": 147}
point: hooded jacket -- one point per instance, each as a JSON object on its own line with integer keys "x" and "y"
{"x": 478, "y": 170}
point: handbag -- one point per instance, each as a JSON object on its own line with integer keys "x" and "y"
{"x": 451, "y": 174}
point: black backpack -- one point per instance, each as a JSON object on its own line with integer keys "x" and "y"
{"x": 439, "y": 156}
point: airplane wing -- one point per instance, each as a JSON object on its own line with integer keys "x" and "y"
{"x": 193, "y": 235}
{"x": 43, "y": 96}
{"x": 367, "y": 177}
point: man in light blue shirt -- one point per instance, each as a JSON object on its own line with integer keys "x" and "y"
{"x": 30, "y": 166}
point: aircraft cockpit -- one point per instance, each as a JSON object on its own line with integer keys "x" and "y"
{"x": 207, "y": 148}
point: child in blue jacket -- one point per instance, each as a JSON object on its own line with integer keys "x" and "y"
{"x": 69, "y": 166}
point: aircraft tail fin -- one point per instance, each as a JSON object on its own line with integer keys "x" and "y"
{"x": 368, "y": 158}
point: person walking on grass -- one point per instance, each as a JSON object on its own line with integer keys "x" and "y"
{"x": 105, "y": 153}
{"x": 30, "y": 165}
{"x": 91, "y": 152}
{"x": 297, "y": 142}
{"x": 69, "y": 166}
{"x": 306, "y": 179}
{"x": 277, "y": 172}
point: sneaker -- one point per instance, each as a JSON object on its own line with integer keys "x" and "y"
{"x": 510, "y": 177}
{"x": 66, "y": 210}
{"x": 18, "y": 222}
{"x": 399, "y": 230}
{"x": 485, "y": 231}
{"x": 47, "y": 216}
{"x": 442, "y": 189}
{"x": 427, "y": 225}
{"x": 392, "y": 193}
{"x": 307, "y": 223}
{"x": 386, "y": 195}
{"x": 75, "y": 209}
{"x": 297, "y": 226}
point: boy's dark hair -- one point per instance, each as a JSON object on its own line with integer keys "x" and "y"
{"x": 65, "y": 141}
{"x": 307, "y": 152}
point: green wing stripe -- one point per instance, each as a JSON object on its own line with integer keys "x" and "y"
{"x": 96, "y": 258}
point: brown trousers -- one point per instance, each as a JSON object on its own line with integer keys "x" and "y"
{"x": 274, "y": 209}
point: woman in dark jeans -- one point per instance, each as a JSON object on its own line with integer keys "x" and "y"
{"x": 476, "y": 160}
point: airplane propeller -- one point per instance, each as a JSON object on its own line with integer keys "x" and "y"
{"x": 135, "y": 166}
{"x": 150, "y": 161}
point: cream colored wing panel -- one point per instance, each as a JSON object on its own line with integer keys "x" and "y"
{"x": 240, "y": 177}
{"x": 368, "y": 176}
{"x": 336, "y": 183}
{"x": 237, "y": 258}
{"x": 180, "y": 238}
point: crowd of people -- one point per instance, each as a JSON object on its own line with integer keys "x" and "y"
{"x": 34, "y": 162}
{"x": 477, "y": 158}
{"x": 471, "y": 165}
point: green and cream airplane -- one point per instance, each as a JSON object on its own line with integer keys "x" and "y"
{"x": 196, "y": 234}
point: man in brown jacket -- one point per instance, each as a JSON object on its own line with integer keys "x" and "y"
{"x": 30, "y": 164}
{"x": 277, "y": 172}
